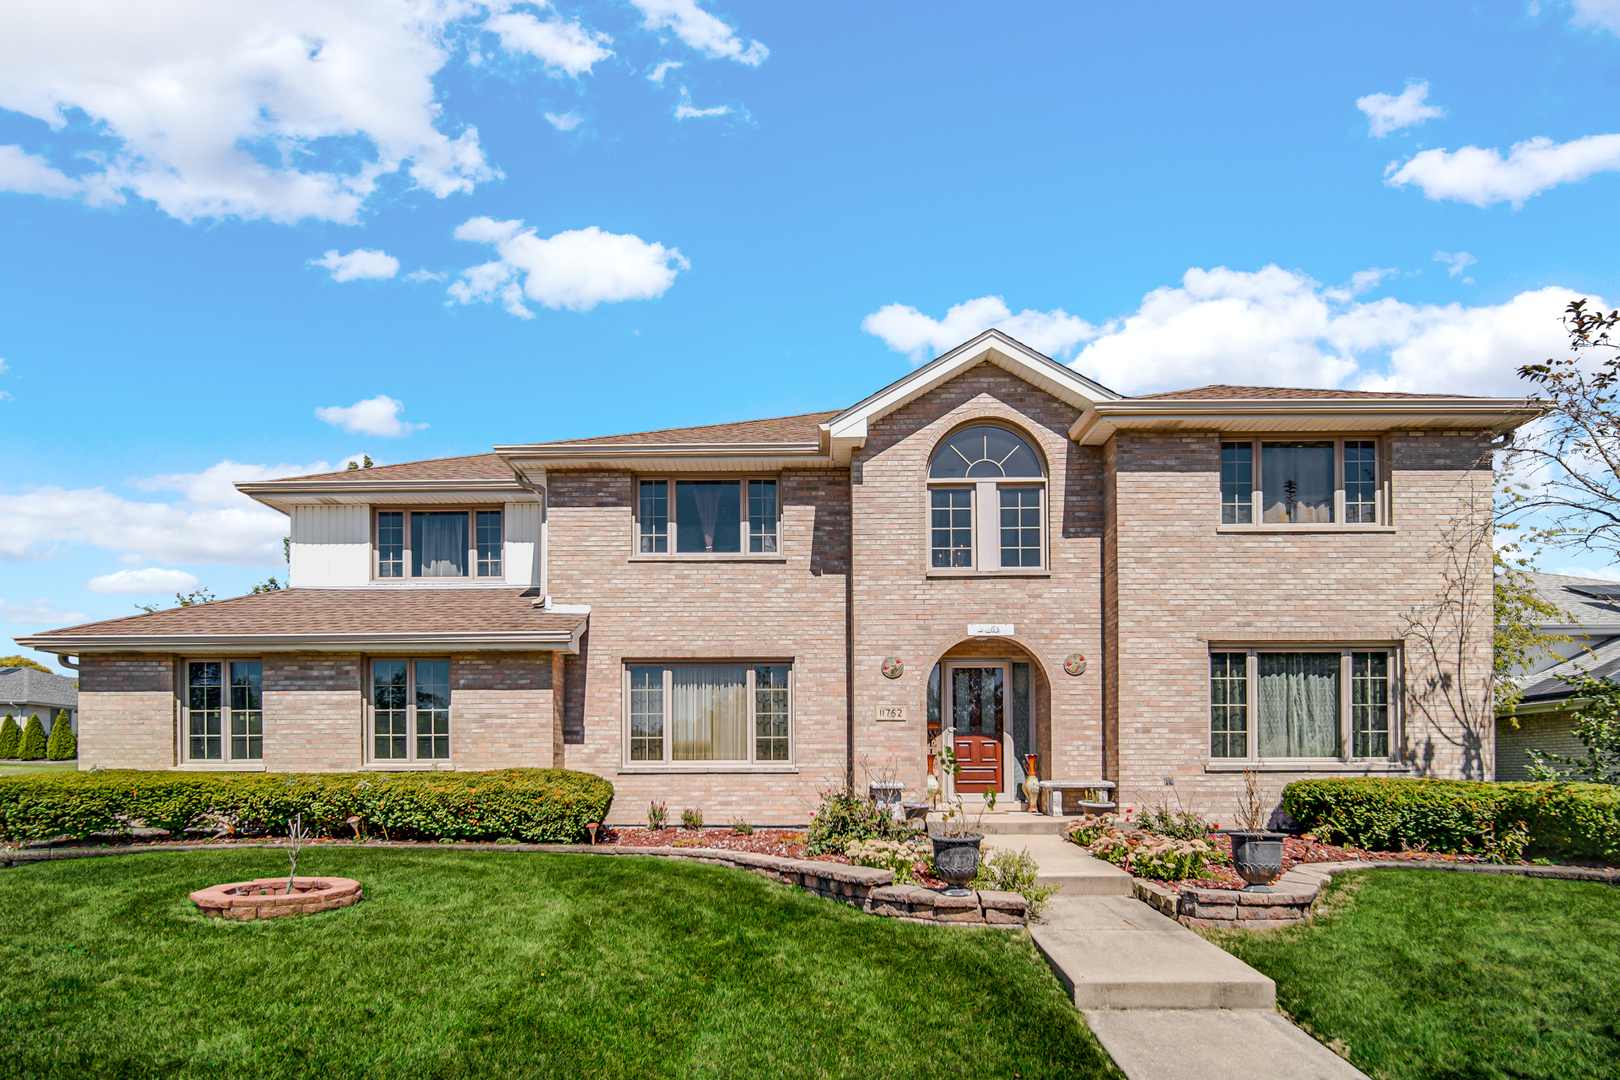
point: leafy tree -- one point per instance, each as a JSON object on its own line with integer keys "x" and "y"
{"x": 62, "y": 746}
{"x": 199, "y": 595}
{"x": 1597, "y": 725}
{"x": 33, "y": 741}
{"x": 1520, "y": 614}
{"x": 353, "y": 465}
{"x": 23, "y": 661}
{"x": 272, "y": 585}
{"x": 10, "y": 738}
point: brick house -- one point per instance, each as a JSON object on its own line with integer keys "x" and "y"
{"x": 1159, "y": 590}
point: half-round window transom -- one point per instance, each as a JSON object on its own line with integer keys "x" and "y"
{"x": 984, "y": 452}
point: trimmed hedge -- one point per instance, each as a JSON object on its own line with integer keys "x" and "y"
{"x": 534, "y": 805}
{"x": 1562, "y": 820}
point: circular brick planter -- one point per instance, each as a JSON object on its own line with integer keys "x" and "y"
{"x": 267, "y": 898}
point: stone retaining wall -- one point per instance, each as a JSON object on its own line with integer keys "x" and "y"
{"x": 871, "y": 890}
{"x": 1294, "y": 893}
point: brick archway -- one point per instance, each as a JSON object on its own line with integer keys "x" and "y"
{"x": 1037, "y": 732}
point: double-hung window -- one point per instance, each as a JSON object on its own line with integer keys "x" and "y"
{"x": 1281, "y": 482}
{"x": 410, "y": 711}
{"x": 1311, "y": 703}
{"x": 719, "y": 712}
{"x": 224, "y": 711}
{"x": 707, "y": 517}
{"x": 438, "y": 544}
{"x": 986, "y": 502}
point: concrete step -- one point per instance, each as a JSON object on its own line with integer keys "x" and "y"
{"x": 1115, "y": 952}
{"x": 1256, "y": 1044}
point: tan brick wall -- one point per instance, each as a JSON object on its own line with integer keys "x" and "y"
{"x": 1180, "y": 585}
{"x": 126, "y": 712}
{"x": 901, "y": 611}
{"x": 501, "y": 710}
{"x": 312, "y": 716}
{"x": 737, "y": 610}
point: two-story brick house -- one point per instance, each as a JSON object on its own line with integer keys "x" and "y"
{"x": 1170, "y": 588}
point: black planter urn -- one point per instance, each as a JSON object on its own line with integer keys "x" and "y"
{"x": 956, "y": 861}
{"x": 1257, "y": 858}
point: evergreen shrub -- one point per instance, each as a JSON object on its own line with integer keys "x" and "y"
{"x": 62, "y": 745}
{"x": 10, "y": 738}
{"x": 32, "y": 747}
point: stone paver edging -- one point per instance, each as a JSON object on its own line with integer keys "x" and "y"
{"x": 1293, "y": 894}
{"x": 867, "y": 888}
{"x": 268, "y": 898}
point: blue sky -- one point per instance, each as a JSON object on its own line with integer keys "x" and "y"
{"x": 578, "y": 219}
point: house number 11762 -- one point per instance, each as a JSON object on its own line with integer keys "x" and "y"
{"x": 891, "y": 712}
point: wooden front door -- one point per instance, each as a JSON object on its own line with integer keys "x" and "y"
{"x": 977, "y": 713}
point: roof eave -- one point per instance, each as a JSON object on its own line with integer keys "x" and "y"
{"x": 283, "y": 494}
{"x": 482, "y": 640}
{"x": 1100, "y": 421}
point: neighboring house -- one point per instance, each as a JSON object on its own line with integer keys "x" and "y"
{"x": 1544, "y": 716}
{"x": 1154, "y": 590}
{"x": 26, "y": 692}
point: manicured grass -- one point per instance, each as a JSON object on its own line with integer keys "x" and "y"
{"x": 14, "y": 768}
{"x": 475, "y": 964}
{"x": 1446, "y": 975}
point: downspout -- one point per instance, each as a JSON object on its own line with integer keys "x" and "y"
{"x": 62, "y": 658}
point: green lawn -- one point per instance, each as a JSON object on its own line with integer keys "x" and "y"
{"x": 1428, "y": 974}
{"x": 475, "y": 964}
{"x": 13, "y": 768}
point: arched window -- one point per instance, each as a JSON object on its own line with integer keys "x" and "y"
{"x": 986, "y": 502}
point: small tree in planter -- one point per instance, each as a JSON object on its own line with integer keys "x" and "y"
{"x": 10, "y": 738}
{"x": 1256, "y": 853}
{"x": 956, "y": 842}
{"x": 62, "y": 746}
{"x": 33, "y": 741}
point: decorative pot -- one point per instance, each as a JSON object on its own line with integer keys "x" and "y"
{"x": 1257, "y": 858}
{"x": 956, "y": 861}
{"x": 1032, "y": 783}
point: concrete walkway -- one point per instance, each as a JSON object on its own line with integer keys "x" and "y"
{"x": 1163, "y": 1002}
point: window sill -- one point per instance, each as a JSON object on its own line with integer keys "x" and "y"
{"x": 439, "y": 583}
{"x": 219, "y": 766}
{"x": 738, "y": 768}
{"x": 1314, "y": 528}
{"x": 719, "y": 556}
{"x": 407, "y": 766}
{"x": 1361, "y": 767}
{"x": 1022, "y": 572}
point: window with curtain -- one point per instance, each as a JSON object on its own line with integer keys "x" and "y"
{"x": 410, "y": 710}
{"x": 707, "y": 517}
{"x": 715, "y": 712}
{"x": 1302, "y": 704}
{"x": 224, "y": 710}
{"x": 1301, "y": 482}
{"x": 439, "y": 544}
{"x": 986, "y": 502}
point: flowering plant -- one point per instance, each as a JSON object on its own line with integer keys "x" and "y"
{"x": 1142, "y": 853}
{"x": 898, "y": 856}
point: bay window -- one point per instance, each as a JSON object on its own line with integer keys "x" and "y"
{"x": 707, "y": 517}
{"x": 986, "y": 502}
{"x": 438, "y": 544}
{"x": 721, "y": 712}
{"x": 223, "y": 711}
{"x": 1281, "y": 482}
{"x": 410, "y": 711}
{"x": 1310, "y": 703}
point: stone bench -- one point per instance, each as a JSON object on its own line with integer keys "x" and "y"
{"x": 1055, "y": 792}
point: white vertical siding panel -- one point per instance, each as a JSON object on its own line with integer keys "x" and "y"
{"x": 331, "y": 545}
{"x": 522, "y": 543}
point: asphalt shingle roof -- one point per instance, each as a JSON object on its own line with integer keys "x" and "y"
{"x": 1254, "y": 393}
{"x": 25, "y": 686}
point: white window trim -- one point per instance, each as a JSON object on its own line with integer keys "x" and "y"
{"x": 1346, "y": 759}
{"x": 223, "y": 763}
{"x": 668, "y": 764}
{"x": 744, "y": 521}
{"x": 410, "y": 762}
{"x": 1381, "y": 497}
{"x": 472, "y": 574}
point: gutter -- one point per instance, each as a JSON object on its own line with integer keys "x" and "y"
{"x": 512, "y": 640}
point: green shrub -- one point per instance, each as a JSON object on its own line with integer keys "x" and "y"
{"x": 32, "y": 747}
{"x": 1013, "y": 871}
{"x": 534, "y": 805}
{"x": 62, "y": 746}
{"x": 1178, "y": 824}
{"x": 657, "y": 812}
{"x": 900, "y": 857}
{"x": 844, "y": 816}
{"x": 1560, "y": 820}
{"x": 10, "y": 737}
{"x": 692, "y": 818}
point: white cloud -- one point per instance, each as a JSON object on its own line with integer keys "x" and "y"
{"x": 907, "y": 330}
{"x": 1597, "y": 15}
{"x": 1483, "y": 177}
{"x": 567, "y": 121}
{"x": 664, "y": 68}
{"x": 424, "y": 275}
{"x": 563, "y": 45}
{"x": 359, "y": 263}
{"x": 152, "y": 579}
{"x": 278, "y": 109}
{"x": 212, "y": 522}
{"x": 686, "y": 110}
{"x": 374, "y": 416}
{"x": 41, "y": 612}
{"x": 1387, "y": 113}
{"x": 699, "y": 29}
{"x": 1457, "y": 263}
{"x": 1271, "y": 327}
{"x": 575, "y": 270}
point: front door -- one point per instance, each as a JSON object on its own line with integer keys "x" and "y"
{"x": 977, "y": 713}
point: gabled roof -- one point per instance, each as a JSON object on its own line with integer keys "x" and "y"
{"x": 328, "y": 620}
{"x": 1549, "y": 686}
{"x": 848, "y": 428}
{"x": 469, "y": 478}
{"x": 804, "y": 428}
{"x": 25, "y": 686}
{"x": 1582, "y": 610}
{"x": 467, "y": 467}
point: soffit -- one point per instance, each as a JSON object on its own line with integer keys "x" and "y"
{"x": 1100, "y": 421}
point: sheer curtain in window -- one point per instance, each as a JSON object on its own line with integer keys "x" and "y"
{"x": 710, "y": 714}
{"x": 1299, "y": 704}
{"x": 439, "y": 545}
